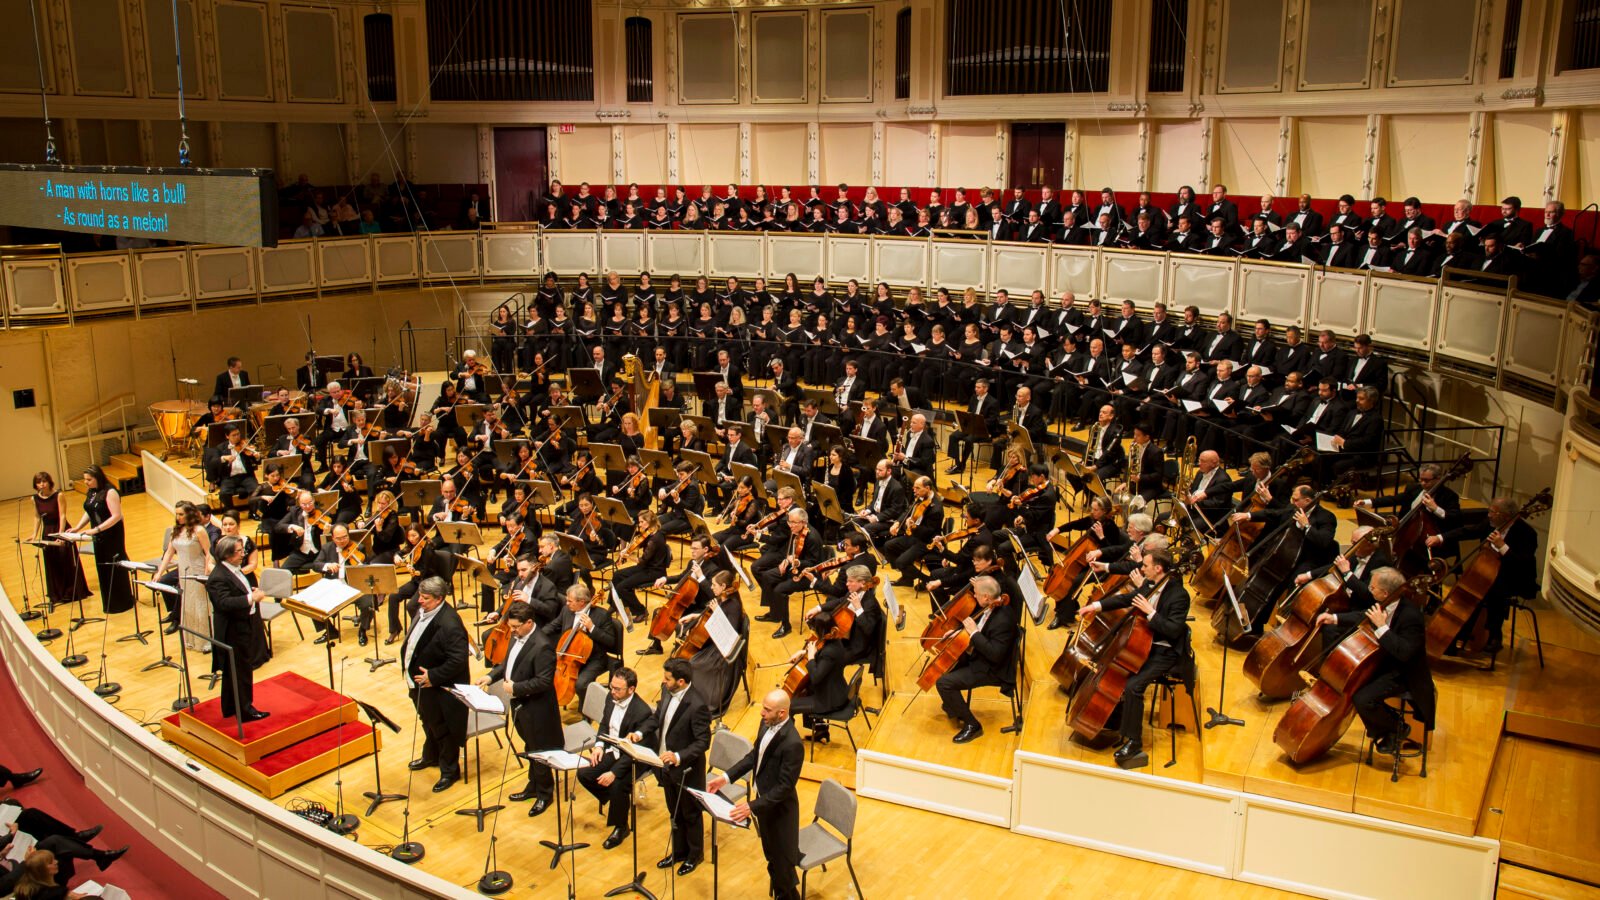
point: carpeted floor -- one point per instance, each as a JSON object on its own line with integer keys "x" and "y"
{"x": 144, "y": 872}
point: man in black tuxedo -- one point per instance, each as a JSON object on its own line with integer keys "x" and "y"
{"x": 1340, "y": 252}
{"x": 982, "y": 406}
{"x": 917, "y": 456}
{"x": 1403, "y": 664}
{"x": 1412, "y": 258}
{"x": 1223, "y": 208}
{"x": 1035, "y": 231}
{"x": 1375, "y": 253}
{"x": 1017, "y": 208}
{"x": 1510, "y": 228}
{"x": 1295, "y": 247}
{"x": 1518, "y": 545}
{"x": 737, "y": 452}
{"x": 682, "y": 734}
{"x": 1308, "y": 219}
{"x": 886, "y": 501}
{"x": 433, "y": 657}
{"x": 609, "y": 773}
{"x": 528, "y": 673}
{"x": 1367, "y": 368}
{"x": 234, "y": 377}
{"x": 1553, "y": 252}
{"x": 1000, "y": 227}
{"x": 232, "y": 468}
{"x": 731, "y": 373}
{"x": 1328, "y": 362}
{"x": 991, "y": 660}
{"x": 776, "y": 760}
{"x": 1209, "y": 493}
{"x": 1161, "y": 598}
{"x": 724, "y": 407}
{"x": 233, "y": 600}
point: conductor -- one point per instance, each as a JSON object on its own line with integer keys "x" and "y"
{"x": 776, "y": 761}
{"x": 233, "y": 602}
{"x": 435, "y": 657}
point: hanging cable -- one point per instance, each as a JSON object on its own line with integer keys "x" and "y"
{"x": 183, "y": 119}
{"x": 44, "y": 95}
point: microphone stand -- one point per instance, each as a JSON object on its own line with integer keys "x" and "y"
{"x": 47, "y": 633}
{"x": 72, "y": 659}
{"x": 342, "y": 823}
{"x": 1219, "y": 715}
{"x": 138, "y": 631}
{"x": 407, "y": 851}
{"x": 376, "y": 795}
{"x": 103, "y": 686}
{"x": 495, "y": 880}
{"x": 28, "y": 613}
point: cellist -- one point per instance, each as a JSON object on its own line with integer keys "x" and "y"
{"x": 1402, "y": 635}
{"x": 603, "y": 628}
{"x": 867, "y": 629}
{"x": 703, "y": 564}
{"x": 991, "y": 659}
{"x": 827, "y": 691}
{"x": 1167, "y": 615}
{"x": 1509, "y": 535}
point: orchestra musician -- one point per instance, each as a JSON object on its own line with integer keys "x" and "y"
{"x": 1401, "y": 631}
{"x": 338, "y": 554}
{"x": 608, "y": 773}
{"x": 234, "y": 377}
{"x": 232, "y": 468}
{"x": 416, "y": 556}
{"x": 528, "y": 674}
{"x": 886, "y": 502}
{"x": 653, "y": 557}
{"x": 825, "y": 665}
{"x": 704, "y": 563}
{"x": 865, "y": 641}
{"x": 801, "y": 548}
{"x": 302, "y": 536}
{"x": 911, "y": 536}
{"x": 991, "y": 659}
{"x": 1160, "y": 597}
{"x": 1518, "y": 545}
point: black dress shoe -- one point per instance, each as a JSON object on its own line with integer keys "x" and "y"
{"x": 769, "y": 617}
{"x": 666, "y": 862}
{"x": 362, "y": 639}
{"x": 519, "y": 796}
{"x": 88, "y": 834}
{"x": 1138, "y": 759}
{"x": 953, "y": 469}
{"x": 538, "y": 807}
{"x": 654, "y": 649}
{"x": 968, "y": 734}
{"x": 782, "y": 632}
{"x": 170, "y": 629}
{"x": 321, "y": 638}
{"x": 255, "y": 715}
{"x": 616, "y": 837}
{"x": 105, "y": 859}
{"x": 689, "y": 865}
{"x": 905, "y": 582}
{"x": 1391, "y": 743}
{"x": 18, "y": 779}
{"x": 444, "y": 783}
{"x": 417, "y": 765}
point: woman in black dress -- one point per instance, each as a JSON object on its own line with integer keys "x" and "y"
{"x": 102, "y": 517}
{"x": 503, "y": 340}
{"x": 63, "y": 568}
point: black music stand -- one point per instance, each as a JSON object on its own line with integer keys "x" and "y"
{"x": 976, "y": 429}
{"x": 480, "y": 812}
{"x": 584, "y": 383}
{"x": 244, "y": 395}
{"x": 376, "y": 717}
{"x": 233, "y": 670}
{"x": 377, "y": 582}
{"x": 419, "y": 494}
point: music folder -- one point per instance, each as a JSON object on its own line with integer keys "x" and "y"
{"x": 719, "y": 807}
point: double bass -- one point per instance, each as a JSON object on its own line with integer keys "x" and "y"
{"x": 1228, "y": 556}
{"x": 1411, "y": 552}
{"x": 1071, "y": 565}
{"x": 1275, "y": 662}
{"x": 1478, "y": 573}
{"x": 1272, "y": 562}
{"x": 1122, "y": 653}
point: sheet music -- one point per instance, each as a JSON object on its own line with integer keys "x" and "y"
{"x": 22, "y": 843}
{"x": 1129, "y": 378}
{"x": 1031, "y": 594}
{"x": 1221, "y": 403}
{"x": 722, "y": 631}
{"x": 1191, "y": 405}
{"x": 561, "y": 760}
{"x": 719, "y": 807}
{"x": 620, "y": 610}
{"x": 890, "y": 602}
{"x": 1233, "y": 599}
{"x": 1325, "y": 443}
{"x": 738, "y": 569}
{"x": 476, "y": 698}
{"x": 327, "y": 596}
{"x": 638, "y": 751}
{"x": 8, "y": 814}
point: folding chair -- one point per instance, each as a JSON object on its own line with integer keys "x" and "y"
{"x": 819, "y": 845}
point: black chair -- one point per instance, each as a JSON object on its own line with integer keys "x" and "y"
{"x": 1405, "y": 704}
{"x": 1166, "y": 692}
{"x": 844, "y": 714}
{"x": 1520, "y": 604}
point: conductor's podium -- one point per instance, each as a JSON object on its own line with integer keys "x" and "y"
{"x": 312, "y": 730}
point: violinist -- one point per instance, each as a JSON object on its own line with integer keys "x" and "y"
{"x": 580, "y": 613}
{"x": 520, "y": 467}
{"x": 470, "y": 485}
{"x": 397, "y": 406}
{"x": 334, "y": 414}
{"x": 384, "y": 525}
{"x": 444, "y": 415}
{"x": 682, "y": 495}
{"x": 611, "y": 408}
{"x": 232, "y": 468}
{"x": 1401, "y": 631}
{"x": 512, "y": 417}
{"x": 471, "y": 377}
{"x": 302, "y": 533}
{"x": 291, "y": 444}
{"x": 767, "y": 531}
{"x": 517, "y": 501}
{"x": 649, "y": 546}
{"x": 427, "y": 444}
{"x": 355, "y": 441}
{"x": 1162, "y": 600}
{"x": 417, "y": 557}
{"x": 450, "y": 507}
{"x": 736, "y": 452}
{"x": 339, "y": 478}
{"x": 911, "y": 537}
{"x": 390, "y": 474}
{"x": 886, "y": 502}
{"x": 1033, "y": 513}
{"x": 868, "y": 626}
{"x": 556, "y": 564}
{"x": 1356, "y": 567}
{"x": 801, "y": 548}
{"x": 1508, "y": 534}
{"x": 991, "y": 659}
{"x": 553, "y": 446}
{"x": 598, "y": 537}
{"x": 216, "y": 412}
{"x": 1008, "y": 482}
{"x": 272, "y": 500}
{"x": 744, "y": 509}
{"x": 953, "y": 568}
{"x": 631, "y": 486}
{"x": 337, "y": 555}
{"x": 704, "y": 564}
{"x": 503, "y": 560}
{"x": 825, "y": 664}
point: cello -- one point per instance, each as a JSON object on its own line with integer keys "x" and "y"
{"x": 948, "y": 648}
{"x": 797, "y": 681}
{"x": 665, "y": 621}
{"x": 1478, "y": 573}
{"x": 498, "y": 641}
{"x": 700, "y": 634}
{"x": 1228, "y": 557}
{"x": 1275, "y": 662}
{"x": 572, "y": 651}
{"x": 1409, "y": 544}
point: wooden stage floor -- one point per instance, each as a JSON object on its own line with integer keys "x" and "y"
{"x": 1533, "y": 787}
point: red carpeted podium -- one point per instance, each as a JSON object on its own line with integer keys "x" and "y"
{"x": 311, "y": 731}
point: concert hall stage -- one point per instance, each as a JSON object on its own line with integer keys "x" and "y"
{"x": 311, "y": 731}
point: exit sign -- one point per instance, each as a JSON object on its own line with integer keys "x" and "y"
{"x": 567, "y": 128}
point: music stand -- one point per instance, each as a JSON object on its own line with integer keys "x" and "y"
{"x": 139, "y": 632}
{"x": 478, "y": 570}
{"x": 1019, "y": 437}
{"x": 481, "y": 812}
{"x": 828, "y": 502}
{"x": 638, "y": 756}
{"x": 827, "y": 402}
{"x": 825, "y": 437}
{"x": 697, "y": 523}
{"x": 867, "y": 451}
{"x": 715, "y": 808}
{"x": 976, "y": 429}
{"x": 244, "y": 395}
{"x": 788, "y": 479}
{"x": 288, "y": 466}
{"x": 657, "y": 463}
{"x": 376, "y": 717}
{"x": 777, "y": 440}
{"x": 377, "y": 582}
{"x": 705, "y": 387}
{"x": 505, "y": 449}
{"x": 273, "y": 426}
{"x": 155, "y": 588}
{"x": 322, "y": 601}
{"x": 584, "y": 383}
{"x": 612, "y": 510}
{"x": 563, "y": 763}
{"x": 468, "y": 415}
{"x": 576, "y": 549}
{"x": 745, "y": 470}
{"x": 233, "y": 670}
{"x": 707, "y": 429}
{"x": 707, "y": 471}
{"x": 608, "y": 457}
{"x": 663, "y": 418}
{"x": 419, "y": 494}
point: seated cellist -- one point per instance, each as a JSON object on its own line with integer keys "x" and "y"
{"x": 1161, "y": 598}
{"x": 1402, "y": 635}
{"x": 991, "y": 660}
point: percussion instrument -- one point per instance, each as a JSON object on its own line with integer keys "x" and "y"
{"x": 174, "y": 420}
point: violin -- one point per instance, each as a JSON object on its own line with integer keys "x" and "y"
{"x": 568, "y": 480}
{"x": 764, "y": 521}
{"x": 1022, "y": 498}
{"x": 1005, "y": 479}
{"x": 507, "y": 560}
{"x": 353, "y": 556}
{"x": 945, "y": 540}
{"x": 638, "y": 541}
